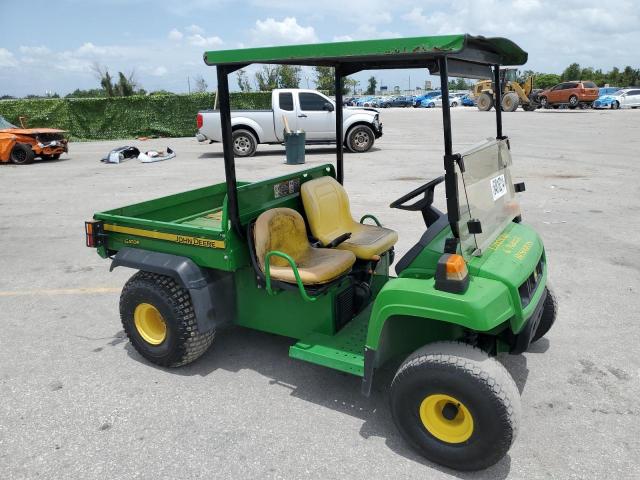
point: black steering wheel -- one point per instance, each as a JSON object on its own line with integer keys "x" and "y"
{"x": 424, "y": 205}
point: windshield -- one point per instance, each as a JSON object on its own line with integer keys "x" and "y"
{"x": 5, "y": 124}
{"x": 486, "y": 193}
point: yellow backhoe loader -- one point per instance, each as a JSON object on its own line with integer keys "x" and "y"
{"x": 513, "y": 93}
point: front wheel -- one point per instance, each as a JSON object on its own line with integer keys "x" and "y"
{"x": 244, "y": 143}
{"x": 22, "y": 154}
{"x": 510, "y": 102}
{"x": 615, "y": 105}
{"x": 159, "y": 319}
{"x": 456, "y": 405}
{"x": 360, "y": 139}
{"x": 485, "y": 102}
{"x": 544, "y": 103}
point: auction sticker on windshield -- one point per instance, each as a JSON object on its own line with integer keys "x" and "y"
{"x": 498, "y": 187}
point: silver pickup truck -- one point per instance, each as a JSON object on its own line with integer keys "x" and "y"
{"x": 306, "y": 110}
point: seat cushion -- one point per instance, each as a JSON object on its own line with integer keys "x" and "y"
{"x": 284, "y": 230}
{"x": 368, "y": 241}
{"x": 327, "y": 207}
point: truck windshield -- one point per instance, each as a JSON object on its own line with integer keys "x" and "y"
{"x": 486, "y": 193}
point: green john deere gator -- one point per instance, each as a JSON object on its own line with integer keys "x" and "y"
{"x": 286, "y": 256}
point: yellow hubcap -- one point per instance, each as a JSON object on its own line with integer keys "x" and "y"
{"x": 150, "y": 324}
{"x": 446, "y": 418}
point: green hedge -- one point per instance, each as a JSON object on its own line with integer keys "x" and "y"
{"x": 123, "y": 117}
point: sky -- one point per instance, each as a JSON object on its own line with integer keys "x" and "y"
{"x": 163, "y": 41}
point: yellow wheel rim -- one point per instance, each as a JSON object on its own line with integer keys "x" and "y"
{"x": 446, "y": 418}
{"x": 150, "y": 324}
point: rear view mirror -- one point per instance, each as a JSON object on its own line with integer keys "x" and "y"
{"x": 328, "y": 107}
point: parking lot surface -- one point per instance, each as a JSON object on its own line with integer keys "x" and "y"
{"x": 76, "y": 401}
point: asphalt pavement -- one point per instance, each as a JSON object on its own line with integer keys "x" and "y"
{"x": 76, "y": 401}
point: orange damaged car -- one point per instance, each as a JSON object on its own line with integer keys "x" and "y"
{"x": 29, "y": 143}
{"x": 574, "y": 94}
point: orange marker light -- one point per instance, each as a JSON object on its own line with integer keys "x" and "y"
{"x": 456, "y": 267}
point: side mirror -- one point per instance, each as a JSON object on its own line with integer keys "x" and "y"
{"x": 328, "y": 107}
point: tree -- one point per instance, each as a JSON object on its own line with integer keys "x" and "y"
{"x": 243, "y": 82}
{"x": 572, "y": 72}
{"x": 324, "y": 79}
{"x": 372, "y": 83}
{"x": 90, "y": 93}
{"x": 200, "y": 84}
{"x": 124, "y": 87}
{"x": 458, "y": 84}
{"x": 546, "y": 80}
{"x": 350, "y": 85}
{"x": 267, "y": 78}
{"x": 288, "y": 76}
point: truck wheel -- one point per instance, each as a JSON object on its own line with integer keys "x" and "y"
{"x": 549, "y": 313}
{"x": 360, "y": 139}
{"x": 22, "y": 154}
{"x": 485, "y": 102}
{"x": 159, "y": 319}
{"x": 510, "y": 102}
{"x": 456, "y": 405}
{"x": 244, "y": 143}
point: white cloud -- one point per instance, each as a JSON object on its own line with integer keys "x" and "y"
{"x": 194, "y": 29}
{"x": 175, "y": 35}
{"x": 7, "y": 59}
{"x": 343, "y": 38}
{"x": 198, "y": 40}
{"x": 273, "y": 32}
{"x": 35, "y": 51}
{"x": 160, "y": 71}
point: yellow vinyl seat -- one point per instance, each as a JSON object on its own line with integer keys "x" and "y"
{"x": 327, "y": 207}
{"x": 284, "y": 230}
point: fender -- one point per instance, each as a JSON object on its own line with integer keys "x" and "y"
{"x": 239, "y": 122}
{"x": 407, "y": 303}
{"x": 357, "y": 118}
{"x": 209, "y": 289}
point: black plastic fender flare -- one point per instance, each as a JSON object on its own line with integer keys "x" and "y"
{"x": 212, "y": 291}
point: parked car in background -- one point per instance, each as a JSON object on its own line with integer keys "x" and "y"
{"x": 573, "y": 94}
{"x": 399, "y": 101}
{"x": 437, "y": 101}
{"x": 607, "y": 90}
{"x": 365, "y": 101}
{"x": 468, "y": 101}
{"x": 418, "y": 100}
{"x": 306, "y": 110}
{"x": 46, "y": 143}
{"x": 623, "y": 98}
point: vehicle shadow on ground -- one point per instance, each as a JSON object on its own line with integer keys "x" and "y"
{"x": 236, "y": 349}
{"x": 282, "y": 153}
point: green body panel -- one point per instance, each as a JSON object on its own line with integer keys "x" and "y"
{"x": 372, "y": 51}
{"x": 485, "y": 305}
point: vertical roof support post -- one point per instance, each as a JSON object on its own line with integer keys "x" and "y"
{"x": 339, "y": 125}
{"x": 497, "y": 90}
{"x": 450, "y": 177}
{"x": 227, "y": 144}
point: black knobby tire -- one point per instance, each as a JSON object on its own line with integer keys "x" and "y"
{"x": 360, "y": 139}
{"x": 22, "y": 154}
{"x": 184, "y": 343}
{"x": 484, "y": 102}
{"x": 478, "y": 382}
{"x": 549, "y": 314}
{"x": 244, "y": 143}
{"x": 510, "y": 102}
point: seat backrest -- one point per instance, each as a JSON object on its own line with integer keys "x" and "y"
{"x": 281, "y": 229}
{"x": 326, "y": 205}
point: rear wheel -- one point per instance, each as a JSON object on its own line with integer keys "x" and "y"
{"x": 244, "y": 143}
{"x": 159, "y": 319}
{"x": 485, "y": 102}
{"x": 573, "y": 101}
{"x": 510, "y": 102}
{"x": 549, "y": 313}
{"x": 456, "y": 405}
{"x": 22, "y": 154}
{"x": 360, "y": 139}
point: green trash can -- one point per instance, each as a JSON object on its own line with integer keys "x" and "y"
{"x": 294, "y": 146}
